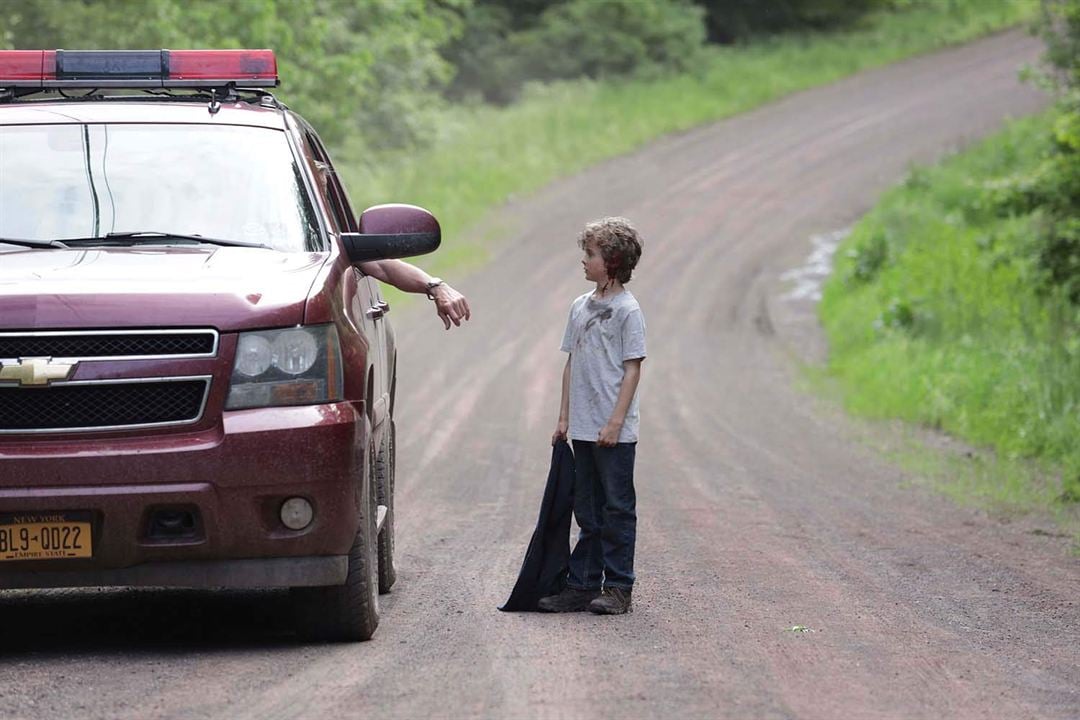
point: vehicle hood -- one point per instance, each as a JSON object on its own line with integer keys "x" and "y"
{"x": 225, "y": 288}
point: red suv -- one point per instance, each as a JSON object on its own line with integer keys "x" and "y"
{"x": 196, "y": 379}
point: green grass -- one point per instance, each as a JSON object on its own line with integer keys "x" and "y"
{"x": 486, "y": 156}
{"x": 933, "y": 317}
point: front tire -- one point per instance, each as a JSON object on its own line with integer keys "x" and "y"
{"x": 349, "y": 612}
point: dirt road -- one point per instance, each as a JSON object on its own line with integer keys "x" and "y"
{"x": 760, "y": 509}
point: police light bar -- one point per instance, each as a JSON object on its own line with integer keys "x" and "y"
{"x": 137, "y": 68}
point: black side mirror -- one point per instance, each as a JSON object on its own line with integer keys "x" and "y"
{"x": 393, "y": 231}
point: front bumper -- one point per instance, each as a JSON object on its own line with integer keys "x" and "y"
{"x": 234, "y": 477}
{"x": 263, "y": 573}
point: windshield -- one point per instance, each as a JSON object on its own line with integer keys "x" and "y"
{"x": 224, "y": 182}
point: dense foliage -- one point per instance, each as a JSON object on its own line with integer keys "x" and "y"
{"x": 349, "y": 66}
{"x": 1053, "y": 190}
{"x": 957, "y": 300}
{"x": 936, "y": 315}
{"x": 377, "y": 72}
{"x": 507, "y": 43}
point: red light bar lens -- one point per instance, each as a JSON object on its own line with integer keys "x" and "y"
{"x": 247, "y": 68}
{"x": 26, "y": 68}
{"x": 137, "y": 68}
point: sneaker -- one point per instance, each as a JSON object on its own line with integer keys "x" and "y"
{"x": 612, "y": 601}
{"x": 569, "y": 600}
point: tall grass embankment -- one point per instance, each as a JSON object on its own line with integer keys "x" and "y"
{"x": 938, "y": 314}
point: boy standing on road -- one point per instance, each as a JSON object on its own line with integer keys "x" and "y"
{"x": 605, "y": 339}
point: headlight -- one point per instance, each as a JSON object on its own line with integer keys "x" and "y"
{"x": 253, "y": 355}
{"x": 295, "y": 351}
{"x": 296, "y": 366}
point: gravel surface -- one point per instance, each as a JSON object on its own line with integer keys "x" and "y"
{"x": 760, "y": 509}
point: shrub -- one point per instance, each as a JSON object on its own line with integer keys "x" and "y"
{"x": 616, "y": 37}
{"x": 868, "y": 256}
{"x": 488, "y": 56}
{"x": 506, "y": 45}
{"x": 1055, "y": 194}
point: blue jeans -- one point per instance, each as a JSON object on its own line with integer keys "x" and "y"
{"x": 605, "y": 510}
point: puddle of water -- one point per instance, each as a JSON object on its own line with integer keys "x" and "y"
{"x": 808, "y": 279}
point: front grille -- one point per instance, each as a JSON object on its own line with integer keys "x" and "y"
{"x": 102, "y": 405}
{"x": 89, "y": 345}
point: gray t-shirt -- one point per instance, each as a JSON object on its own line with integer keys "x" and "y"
{"x": 600, "y": 335}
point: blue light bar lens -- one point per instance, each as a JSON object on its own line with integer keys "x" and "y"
{"x": 109, "y": 65}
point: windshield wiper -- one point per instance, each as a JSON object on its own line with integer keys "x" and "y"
{"x": 32, "y": 243}
{"x": 152, "y": 236}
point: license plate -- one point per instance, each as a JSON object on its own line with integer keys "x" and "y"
{"x": 45, "y": 536}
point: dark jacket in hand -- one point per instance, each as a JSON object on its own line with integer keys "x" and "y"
{"x": 548, "y": 558}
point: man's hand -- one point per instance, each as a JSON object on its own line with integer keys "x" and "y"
{"x": 560, "y": 431}
{"x": 450, "y": 305}
{"x": 609, "y": 435}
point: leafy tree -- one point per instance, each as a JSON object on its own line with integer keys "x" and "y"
{"x": 616, "y": 37}
{"x": 487, "y": 56}
{"x": 368, "y": 68}
{"x": 1053, "y": 193}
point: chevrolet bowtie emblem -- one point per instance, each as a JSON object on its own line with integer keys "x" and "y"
{"x": 35, "y": 371}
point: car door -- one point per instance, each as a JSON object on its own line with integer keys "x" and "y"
{"x": 367, "y": 306}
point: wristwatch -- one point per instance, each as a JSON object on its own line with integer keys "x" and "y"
{"x": 435, "y": 282}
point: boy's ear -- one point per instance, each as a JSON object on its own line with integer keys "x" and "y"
{"x": 614, "y": 264}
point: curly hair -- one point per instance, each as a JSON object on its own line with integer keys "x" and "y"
{"x": 619, "y": 244}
